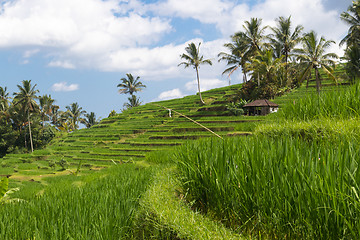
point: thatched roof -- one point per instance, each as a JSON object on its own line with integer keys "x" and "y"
{"x": 261, "y": 103}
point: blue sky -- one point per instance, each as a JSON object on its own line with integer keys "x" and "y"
{"x": 77, "y": 51}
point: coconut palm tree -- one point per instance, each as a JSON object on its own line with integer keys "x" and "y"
{"x": 284, "y": 40}
{"x": 4, "y": 99}
{"x": 245, "y": 45}
{"x": 46, "y": 103}
{"x": 133, "y": 102}
{"x": 26, "y": 98}
{"x": 253, "y": 36}
{"x": 313, "y": 55}
{"x": 89, "y": 120}
{"x": 194, "y": 59}
{"x": 130, "y": 85}
{"x": 236, "y": 58}
{"x": 352, "y": 18}
{"x": 267, "y": 66}
{"x": 352, "y": 66}
{"x": 74, "y": 113}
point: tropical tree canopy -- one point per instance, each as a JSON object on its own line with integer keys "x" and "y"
{"x": 194, "y": 59}
{"x": 26, "y": 99}
{"x": 74, "y": 113}
{"x": 313, "y": 55}
{"x": 130, "y": 85}
{"x": 352, "y": 18}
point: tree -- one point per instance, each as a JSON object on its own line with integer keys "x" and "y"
{"x": 133, "y": 102}
{"x": 312, "y": 55}
{"x": 284, "y": 40}
{"x": 352, "y": 66}
{"x": 46, "y": 103}
{"x": 244, "y": 46}
{"x": 74, "y": 113}
{"x": 26, "y": 99}
{"x": 89, "y": 120}
{"x": 352, "y": 18}
{"x": 130, "y": 85}
{"x": 236, "y": 58}
{"x": 265, "y": 65}
{"x": 4, "y": 99}
{"x": 194, "y": 59}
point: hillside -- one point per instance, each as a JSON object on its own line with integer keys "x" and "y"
{"x": 133, "y": 134}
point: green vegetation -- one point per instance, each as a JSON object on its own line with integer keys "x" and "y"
{"x": 99, "y": 206}
{"x": 140, "y": 174}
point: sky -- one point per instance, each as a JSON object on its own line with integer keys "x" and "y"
{"x": 78, "y": 50}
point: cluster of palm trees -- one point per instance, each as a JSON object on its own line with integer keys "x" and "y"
{"x": 272, "y": 63}
{"x": 281, "y": 59}
{"x": 131, "y": 85}
{"x": 352, "y": 40}
{"x": 27, "y": 116}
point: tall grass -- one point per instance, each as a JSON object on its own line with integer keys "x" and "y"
{"x": 283, "y": 188}
{"x": 339, "y": 103}
{"x": 99, "y": 206}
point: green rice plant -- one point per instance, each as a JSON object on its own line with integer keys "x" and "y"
{"x": 281, "y": 188}
{"x": 96, "y": 206}
{"x": 339, "y": 103}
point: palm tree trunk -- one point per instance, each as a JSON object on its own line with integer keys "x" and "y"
{"x": 31, "y": 142}
{"x": 286, "y": 69}
{"x": 318, "y": 83}
{"x": 198, "y": 80}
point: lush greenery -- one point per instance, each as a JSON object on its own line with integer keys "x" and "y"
{"x": 100, "y": 206}
{"x": 292, "y": 175}
{"x": 281, "y": 188}
{"x": 30, "y": 121}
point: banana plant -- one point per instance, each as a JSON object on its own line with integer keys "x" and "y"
{"x": 5, "y": 192}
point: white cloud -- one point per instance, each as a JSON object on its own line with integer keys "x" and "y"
{"x": 119, "y": 35}
{"x": 64, "y": 87}
{"x": 30, "y": 53}
{"x": 171, "y": 94}
{"x": 62, "y": 64}
{"x": 205, "y": 84}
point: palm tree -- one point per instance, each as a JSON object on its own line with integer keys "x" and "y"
{"x": 130, "y": 85}
{"x": 89, "y": 120}
{"x": 133, "y": 102}
{"x": 253, "y": 36}
{"x": 284, "y": 40}
{"x": 236, "y": 58}
{"x": 352, "y": 18}
{"x": 245, "y": 45}
{"x": 312, "y": 55}
{"x": 26, "y": 99}
{"x": 267, "y": 66}
{"x": 74, "y": 113}
{"x": 46, "y": 103}
{"x": 352, "y": 66}
{"x": 193, "y": 58}
{"x": 4, "y": 99}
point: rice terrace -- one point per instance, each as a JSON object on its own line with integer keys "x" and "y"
{"x": 274, "y": 157}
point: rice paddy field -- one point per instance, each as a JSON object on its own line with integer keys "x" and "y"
{"x": 144, "y": 174}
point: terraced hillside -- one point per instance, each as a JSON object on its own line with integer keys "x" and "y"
{"x": 130, "y": 136}
{"x": 133, "y": 134}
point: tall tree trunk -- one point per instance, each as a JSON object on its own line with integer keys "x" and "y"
{"x": 198, "y": 80}
{"x": 31, "y": 142}
{"x": 318, "y": 83}
{"x": 286, "y": 69}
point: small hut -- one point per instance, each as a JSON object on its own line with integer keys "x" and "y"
{"x": 260, "y": 107}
